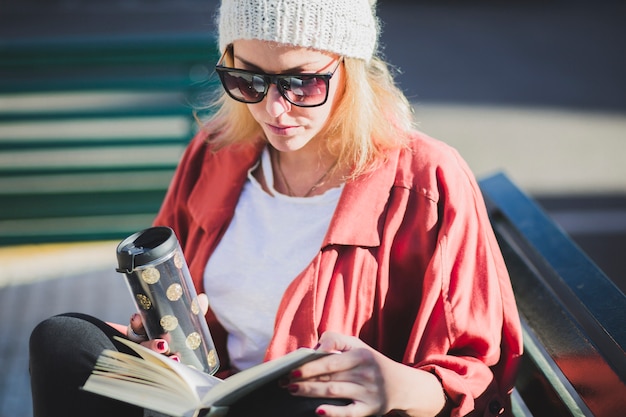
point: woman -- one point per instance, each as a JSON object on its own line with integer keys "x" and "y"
{"x": 312, "y": 214}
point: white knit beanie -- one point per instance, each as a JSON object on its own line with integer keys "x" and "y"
{"x": 345, "y": 27}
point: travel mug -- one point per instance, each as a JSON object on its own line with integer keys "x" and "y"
{"x": 160, "y": 284}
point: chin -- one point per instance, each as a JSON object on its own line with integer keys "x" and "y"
{"x": 287, "y": 143}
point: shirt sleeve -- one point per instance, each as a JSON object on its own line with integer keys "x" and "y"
{"x": 473, "y": 303}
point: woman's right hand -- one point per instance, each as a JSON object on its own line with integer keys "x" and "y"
{"x": 136, "y": 332}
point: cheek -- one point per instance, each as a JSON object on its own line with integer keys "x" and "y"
{"x": 318, "y": 116}
{"x": 256, "y": 110}
{"x": 311, "y": 118}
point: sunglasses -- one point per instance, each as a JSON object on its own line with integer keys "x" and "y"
{"x": 302, "y": 90}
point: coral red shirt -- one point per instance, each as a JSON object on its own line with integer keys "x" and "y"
{"x": 409, "y": 264}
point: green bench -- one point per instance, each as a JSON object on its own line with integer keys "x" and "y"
{"x": 91, "y": 131}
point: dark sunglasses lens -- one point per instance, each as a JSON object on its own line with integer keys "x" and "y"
{"x": 304, "y": 90}
{"x": 248, "y": 88}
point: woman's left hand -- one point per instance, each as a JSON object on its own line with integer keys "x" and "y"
{"x": 375, "y": 383}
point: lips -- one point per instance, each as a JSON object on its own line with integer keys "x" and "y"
{"x": 281, "y": 130}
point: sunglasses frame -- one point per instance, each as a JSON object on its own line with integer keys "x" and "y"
{"x": 270, "y": 79}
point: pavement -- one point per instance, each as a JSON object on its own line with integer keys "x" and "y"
{"x": 99, "y": 292}
{"x": 535, "y": 89}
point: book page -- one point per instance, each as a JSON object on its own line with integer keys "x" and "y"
{"x": 244, "y": 382}
{"x": 153, "y": 381}
{"x": 191, "y": 377}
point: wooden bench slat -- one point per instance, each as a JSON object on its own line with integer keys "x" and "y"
{"x": 71, "y": 101}
{"x": 65, "y": 160}
{"x": 94, "y": 127}
{"x": 60, "y": 229}
{"x": 87, "y": 182}
{"x": 84, "y": 130}
{"x": 113, "y": 203}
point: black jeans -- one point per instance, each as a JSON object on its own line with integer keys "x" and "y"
{"x": 64, "y": 350}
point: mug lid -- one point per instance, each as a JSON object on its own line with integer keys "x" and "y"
{"x": 144, "y": 247}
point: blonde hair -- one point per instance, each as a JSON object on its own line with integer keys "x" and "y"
{"x": 371, "y": 117}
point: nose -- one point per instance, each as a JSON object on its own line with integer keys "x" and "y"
{"x": 275, "y": 103}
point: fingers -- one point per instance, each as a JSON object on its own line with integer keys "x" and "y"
{"x": 137, "y": 324}
{"x": 161, "y": 346}
{"x": 157, "y": 345}
{"x": 348, "y": 361}
{"x": 354, "y": 374}
{"x": 353, "y": 409}
{"x": 122, "y": 328}
{"x": 135, "y": 330}
{"x": 340, "y": 390}
{"x": 203, "y": 300}
{"x": 335, "y": 376}
{"x": 336, "y": 342}
{"x": 137, "y": 333}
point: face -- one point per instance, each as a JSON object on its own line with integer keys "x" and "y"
{"x": 286, "y": 126}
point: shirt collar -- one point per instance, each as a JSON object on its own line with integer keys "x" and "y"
{"x": 357, "y": 220}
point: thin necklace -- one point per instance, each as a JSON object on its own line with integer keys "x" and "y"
{"x": 320, "y": 182}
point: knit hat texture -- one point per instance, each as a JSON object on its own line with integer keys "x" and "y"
{"x": 345, "y": 27}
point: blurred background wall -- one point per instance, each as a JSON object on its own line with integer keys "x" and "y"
{"x": 532, "y": 88}
{"x": 536, "y": 88}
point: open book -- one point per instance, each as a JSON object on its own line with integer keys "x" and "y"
{"x": 161, "y": 384}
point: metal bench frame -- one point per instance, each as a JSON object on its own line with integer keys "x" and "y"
{"x": 572, "y": 314}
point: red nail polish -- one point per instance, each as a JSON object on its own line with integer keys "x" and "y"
{"x": 320, "y": 412}
{"x": 175, "y": 358}
{"x": 296, "y": 374}
{"x": 293, "y": 388}
{"x": 161, "y": 345}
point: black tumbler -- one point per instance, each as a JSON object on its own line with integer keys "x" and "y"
{"x": 161, "y": 286}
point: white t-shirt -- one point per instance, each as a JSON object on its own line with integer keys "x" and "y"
{"x": 270, "y": 240}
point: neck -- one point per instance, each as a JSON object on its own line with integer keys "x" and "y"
{"x": 303, "y": 177}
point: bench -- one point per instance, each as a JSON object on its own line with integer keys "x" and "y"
{"x": 573, "y": 316}
{"x": 91, "y": 131}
